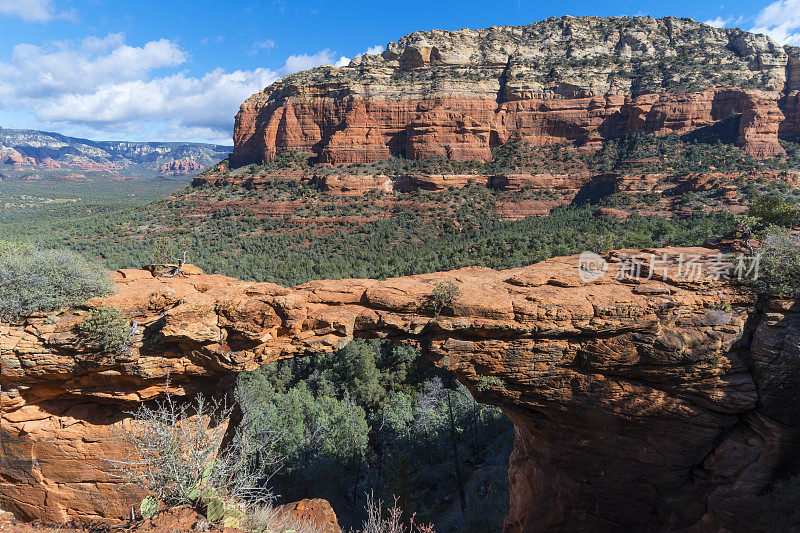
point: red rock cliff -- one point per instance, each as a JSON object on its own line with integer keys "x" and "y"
{"x": 580, "y": 80}
{"x": 667, "y": 401}
{"x": 180, "y": 166}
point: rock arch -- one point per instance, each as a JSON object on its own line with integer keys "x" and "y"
{"x": 647, "y": 402}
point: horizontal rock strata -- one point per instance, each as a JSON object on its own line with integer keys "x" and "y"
{"x": 648, "y": 399}
{"x": 581, "y": 80}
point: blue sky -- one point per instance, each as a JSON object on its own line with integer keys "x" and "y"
{"x": 178, "y": 70}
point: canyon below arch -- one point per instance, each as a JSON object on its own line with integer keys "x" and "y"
{"x": 644, "y": 401}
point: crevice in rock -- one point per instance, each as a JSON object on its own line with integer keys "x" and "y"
{"x": 501, "y": 92}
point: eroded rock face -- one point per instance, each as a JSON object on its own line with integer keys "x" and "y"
{"x": 647, "y": 401}
{"x": 9, "y": 156}
{"x": 180, "y": 166}
{"x": 316, "y": 514}
{"x": 581, "y": 80}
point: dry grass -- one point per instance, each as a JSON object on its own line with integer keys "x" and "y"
{"x": 393, "y": 523}
{"x": 175, "y": 454}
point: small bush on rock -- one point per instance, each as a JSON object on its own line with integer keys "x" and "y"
{"x": 779, "y": 267}
{"x": 444, "y": 296}
{"x": 489, "y": 382}
{"x": 106, "y": 327}
{"x": 33, "y": 281}
{"x": 391, "y": 522}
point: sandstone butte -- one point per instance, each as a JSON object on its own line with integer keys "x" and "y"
{"x": 637, "y": 403}
{"x": 185, "y": 165}
{"x": 579, "y": 80}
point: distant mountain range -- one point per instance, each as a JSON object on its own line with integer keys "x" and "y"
{"x": 31, "y": 154}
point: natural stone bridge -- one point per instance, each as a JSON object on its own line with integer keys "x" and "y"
{"x": 638, "y": 403}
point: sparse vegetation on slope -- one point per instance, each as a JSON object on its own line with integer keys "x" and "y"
{"x": 708, "y": 149}
{"x": 290, "y": 232}
{"x": 424, "y": 232}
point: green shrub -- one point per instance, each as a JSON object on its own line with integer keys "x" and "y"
{"x": 779, "y": 266}
{"x": 488, "y": 382}
{"x": 148, "y": 507}
{"x": 106, "y": 327}
{"x": 33, "y": 280}
{"x": 444, "y": 295}
{"x": 768, "y": 209}
{"x": 15, "y": 247}
{"x": 339, "y": 444}
{"x": 170, "y": 248}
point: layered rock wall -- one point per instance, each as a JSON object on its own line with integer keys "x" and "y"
{"x": 180, "y": 166}
{"x": 661, "y": 398}
{"x": 579, "y": 80}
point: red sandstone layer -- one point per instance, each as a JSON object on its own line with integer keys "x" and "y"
{"x": 356, "y": 130}
{"x": 650, "y": 398}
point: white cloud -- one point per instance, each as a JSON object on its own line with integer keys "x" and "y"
{"x": 718, "y": 22}
{"x": 781, "y": 21}
{"x": 297, "y": 62}
{"x": 209, "y": 101}
{"x": 30, "y": 10}
{"x": 727, "y": 22}
{"x": 90, "y": 64}
{"x": 101, "y": 87}
{"x": 267, "y": 44}
{"x": 372, "y": 50}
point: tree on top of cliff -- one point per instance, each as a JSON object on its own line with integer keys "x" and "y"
{"x": 106, "y": 327}
{"x": 171, "y": 248}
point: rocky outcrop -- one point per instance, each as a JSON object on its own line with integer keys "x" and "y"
{"x": 180, "y": 166}
{"x": 317, "y": 512}
{"x": 759, "y": 124}
{"x": 553, "y": 189}
{"x": 579, "y": 80}
{"x": 354, "y": 184}
{"x": 649, "y": 395}
{"x": 349, "y": 185}
{"x": 9, "y": 156}
{"x": 316, "y": 515}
